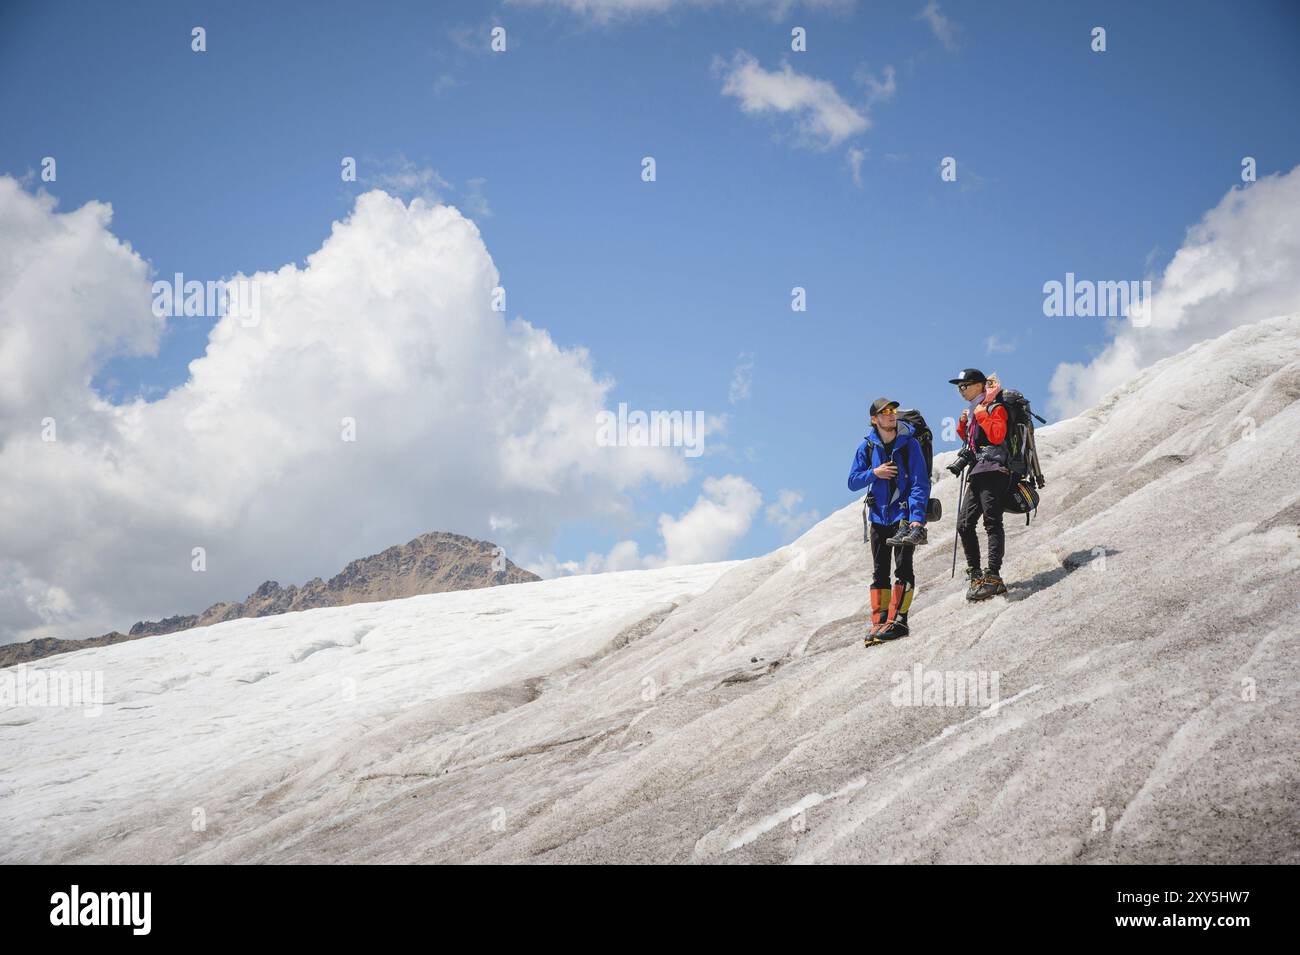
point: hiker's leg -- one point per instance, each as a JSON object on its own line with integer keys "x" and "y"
{"x": 903, "y": 573}
{"x": 966, "y": 518}
{"x": 904, "y": 590}
{"x": 880, "y": 552}
{"x": 992, "y": 494}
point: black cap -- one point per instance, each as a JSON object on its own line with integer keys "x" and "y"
{"x": 968, "y": 376}
{"x": 880, "y": 404}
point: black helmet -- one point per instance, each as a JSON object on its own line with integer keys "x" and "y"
{"x": 968, "y": 376}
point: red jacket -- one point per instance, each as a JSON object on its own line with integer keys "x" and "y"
{"x": 993, "y": 423}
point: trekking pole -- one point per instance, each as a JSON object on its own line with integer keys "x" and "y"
{"x": 961, "y": 492}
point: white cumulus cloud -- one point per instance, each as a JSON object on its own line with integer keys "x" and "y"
{"x": 1239, "y": 264}
{"x": 706, "y": 532}
{"x": 464, "y": 421}
{"x": 71, "y": 296}
{"x": 719, "y": 518}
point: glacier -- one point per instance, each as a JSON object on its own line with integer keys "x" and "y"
{"x": 1147, "y": 659}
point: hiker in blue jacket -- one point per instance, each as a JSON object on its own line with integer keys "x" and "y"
{"x": 891, "y": 465}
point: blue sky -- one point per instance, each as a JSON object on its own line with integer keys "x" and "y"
{"x": 1068, "y": 160}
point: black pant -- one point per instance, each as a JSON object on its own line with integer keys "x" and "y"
{"x": 880, "y": 552}
{"x": 985, "y": 494}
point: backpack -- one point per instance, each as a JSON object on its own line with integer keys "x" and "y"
{"x": 1022, "y": 452}
{"x": 925, "y": 438}
{"x": 1022, "y": 498}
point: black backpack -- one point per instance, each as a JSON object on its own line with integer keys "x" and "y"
{"x": 925, "y": 438}
{"x": 1022, "y": 498}
{"x": 920, "y": 431}
{"x": 1021, "y": 450}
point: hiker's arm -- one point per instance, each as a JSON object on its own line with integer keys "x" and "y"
{"x": 961, "y": 426}
{"x": 860, "y": 475}
{"x": 993, "y": 422}
{"x": 919, "y": 496}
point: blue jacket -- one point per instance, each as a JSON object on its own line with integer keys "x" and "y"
{"x": 911, "y": 492}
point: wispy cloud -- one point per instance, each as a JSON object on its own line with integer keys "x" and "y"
{"x": 399, "y": 176}
{"x": 945, "y": 30}
{"x": 784, "y": 514}
{"x": 822, "y": 117}
{"x": 994, "y": 345}
{"x": 476, "y": 38}
{"x": 855, "y": 157}
{"x": 742, "y": 377}
{"x": 474, "y": 201}
{"x": 608, "y": 11}
{"x": 879, "y": 90}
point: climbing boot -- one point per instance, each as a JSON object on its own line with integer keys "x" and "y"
{"x": 879, "y": 609}
{"x": 991, "y": 585}
{"x": 909, "y": 537}
{"x": 900, "y": 601}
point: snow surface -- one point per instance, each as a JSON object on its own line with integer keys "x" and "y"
{"x": 183, "y": 708}
{"x": 1147, "y": 654}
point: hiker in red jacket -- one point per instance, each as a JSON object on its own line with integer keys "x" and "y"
{"x": 983, "y": 429}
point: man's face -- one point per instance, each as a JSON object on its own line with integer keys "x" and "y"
{"x": 887, "y": 419}
{"x": 969, "y": 389}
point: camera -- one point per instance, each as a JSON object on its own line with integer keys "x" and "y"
{"x": 965, "y": 458}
